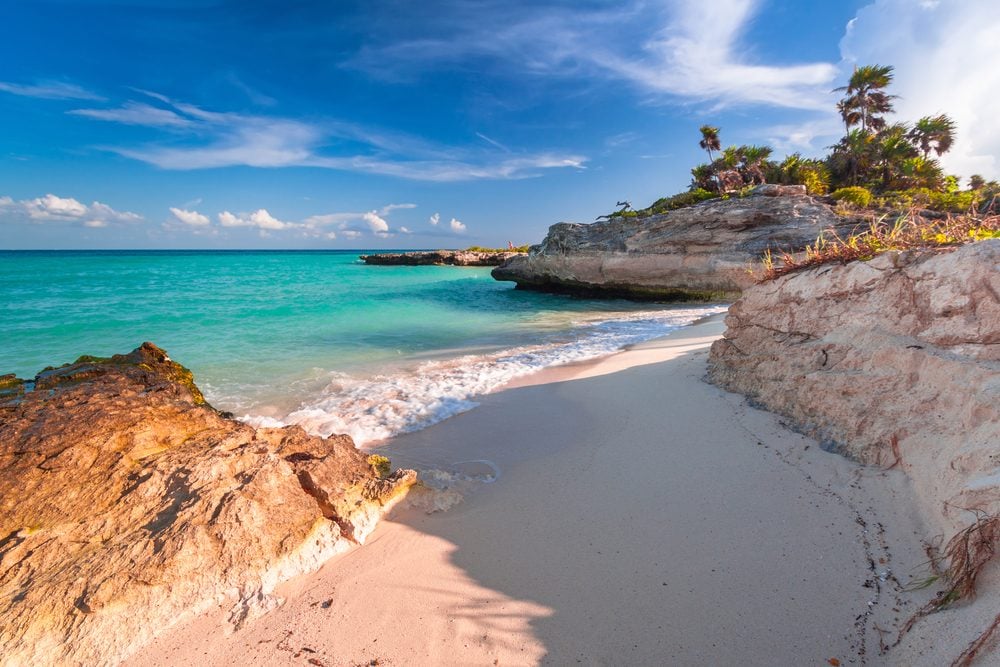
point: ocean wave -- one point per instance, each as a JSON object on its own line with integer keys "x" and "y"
{"x": 376, "y": 408}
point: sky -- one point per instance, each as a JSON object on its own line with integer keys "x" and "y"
{"x": 400, "y": 124}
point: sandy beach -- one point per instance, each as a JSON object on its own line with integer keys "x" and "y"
{"x": 641, "y": 516}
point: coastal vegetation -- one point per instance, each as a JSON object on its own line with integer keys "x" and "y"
{"x": 878, "y": 165}
{"x": 479, "y": 248}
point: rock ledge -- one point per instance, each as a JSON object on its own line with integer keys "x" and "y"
{"x": 127, "y": 504}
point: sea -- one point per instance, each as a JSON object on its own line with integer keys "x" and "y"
{"x": 315, "y": 338}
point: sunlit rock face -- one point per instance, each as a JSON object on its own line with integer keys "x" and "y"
{"x": 128, "y": 504}
{"x": 894, "y": 361}
{"x": 701, "y": 252}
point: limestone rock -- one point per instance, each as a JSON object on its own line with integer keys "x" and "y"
{"x": 895, "y": 361}
{"x": 701, "y": 252}
{"x": 128, "y": 504}
{"x": 440, "y": 257}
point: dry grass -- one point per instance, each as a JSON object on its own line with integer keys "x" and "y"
{"x": 906, "y": 232}
{"x": 967, "y": 552}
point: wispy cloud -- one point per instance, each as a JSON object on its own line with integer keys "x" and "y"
{"x": 688, "y": 49}
{"x": 49, "y": 90}
{"x": 136, "y": 113}
{"x": 493, "y": 142}
{"x": 52, "y": 208}
{"x": 205, "y": 139}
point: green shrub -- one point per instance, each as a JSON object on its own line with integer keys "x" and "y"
{"x": 854, "y": 195}
{"x": 680, "y": 200}
{"x": 380, "y": 464}
{"x": 479, "y": 248}
{"x": 960, "y": 201}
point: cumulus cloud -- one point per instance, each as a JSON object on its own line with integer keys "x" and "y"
{"x": 377, "y": 224}
{"x": 945, "y": 56}
{"x": 435, "y": 219}
{"x": 52, "y": 208}
{"x": 456, "y": 226}
{"x": 259, "y": 218}
{"x": 193, "y": 218}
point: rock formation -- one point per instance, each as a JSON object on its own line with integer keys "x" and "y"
{"x": 128, "y": 504}
{"x": 440, "y": 257}
{"x": 700, "y": 252}
{"x": 894, "y": 361}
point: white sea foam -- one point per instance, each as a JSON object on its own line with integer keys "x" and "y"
{"x": 375, "y": 408}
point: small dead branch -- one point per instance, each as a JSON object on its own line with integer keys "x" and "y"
{"x": 894, "y": 446}
{"x": 972, "y": 650}
{"x": 967, "y": 552}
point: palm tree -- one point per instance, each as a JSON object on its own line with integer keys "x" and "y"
{"x": 935, "y": 133}
{"x": 851, "y": 157}
{"x": 710, "y": 140}
{"x": 866, "y": 100}
{"x": 892, "y": 149}
{"x": 752, "y": 162}
{"x": 703, "y": 176}
{"x": 976, "y": 182}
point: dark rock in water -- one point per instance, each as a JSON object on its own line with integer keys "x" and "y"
{"x": 701, "y": 252}
{"x": 440, "y": 257}
{"x": 11, "y": 388}
{"x": 128, "y": 504}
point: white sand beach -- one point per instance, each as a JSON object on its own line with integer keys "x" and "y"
{"x": 641, "y": 517}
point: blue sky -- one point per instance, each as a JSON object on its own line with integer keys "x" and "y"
{"x": 296, "y": 124}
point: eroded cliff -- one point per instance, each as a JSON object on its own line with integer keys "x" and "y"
{"x": 128, "y": 504}
{"x": 894, "y": 361}
{"x": 701, "y": 252}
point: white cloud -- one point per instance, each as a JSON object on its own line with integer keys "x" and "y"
{"x": 192, "y": 218}
{"x": 50, "y": 90}
{"x": 135, "y": 113}
{"x": 259, "y": 218}
{"x": 690, "y": 49}
{"x": 389, "y": 208}
{"x": 235, "y": 139}
{"x": 404, "y": 230}
{"x": 456, "y": 226}
{"x": 52, "y": 208}
{"x": 434, "y": 219}
{"x": 945, "y": 55}
{"x": 350, "y": 234}
{"x": 375, "y": 223}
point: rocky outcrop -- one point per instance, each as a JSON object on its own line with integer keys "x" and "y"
{"x": 894, "y": 361}
{"x": 700, "y": 252}
{"x": 128, "y": 504}
{"x": 440, "y": 257}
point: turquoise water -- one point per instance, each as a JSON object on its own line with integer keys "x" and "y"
{"x": 309, "y": 337}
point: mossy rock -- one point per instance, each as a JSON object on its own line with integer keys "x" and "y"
{"x": 380, "y": 464}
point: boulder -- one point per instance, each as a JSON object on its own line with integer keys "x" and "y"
{"x": 894, "y": 362}
{"x": 127, "y": 504}
{"x": 701, "y": 252}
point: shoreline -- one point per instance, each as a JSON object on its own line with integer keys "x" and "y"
{"x": 641, "y": 515}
